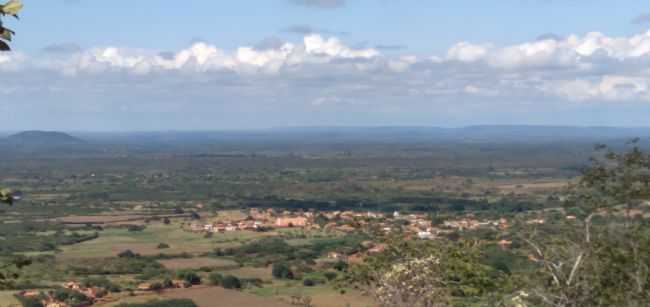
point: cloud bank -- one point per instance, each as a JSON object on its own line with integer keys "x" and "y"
{"x": 297, "y": 79}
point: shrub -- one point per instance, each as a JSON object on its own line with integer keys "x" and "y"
{"x": 189, "y": 276}
{"x": 70, "y": 297}
{"x": 156, "y": 286}
{"x": 127, "y": 254}
{"x": 136, "y": 227}
{"x": 163, "y": 245}
{"x": 167, "y": 283}
{"x": 330, "y": 275}
{"x": 341, "y": 266}
{"x": 29, "y": 301}
{"x": 215, "y": 279}
{"x": 282, "y": 271}
{"x": 101, "y": 282}
{"x": 231, "y": 282}
{"x": 308, "y": 283}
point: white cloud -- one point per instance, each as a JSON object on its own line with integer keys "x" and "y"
{"x": 320, "y": 71}
{"x": 203, "y": 57}
{"x": 467, "y": 52}
{"x": 609, "y": 88}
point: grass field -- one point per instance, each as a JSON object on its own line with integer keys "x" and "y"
{"x": 113, "y": 241}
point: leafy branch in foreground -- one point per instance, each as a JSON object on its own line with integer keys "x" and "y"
{"x": 8, "y": 196}
{"x": 602, "y": 258}
{"x": 428, "y": 274}
{"x": 10, "y": 8}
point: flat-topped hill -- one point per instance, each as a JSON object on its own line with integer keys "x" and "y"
{"x": 43, "y": 138}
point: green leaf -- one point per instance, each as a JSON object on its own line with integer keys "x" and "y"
{"x": 12, "y": 8}
{"x": 4, "y": 46}
{"x": 6, "y": 34}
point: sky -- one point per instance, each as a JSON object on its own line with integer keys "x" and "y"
{"x": 91, "y": 65}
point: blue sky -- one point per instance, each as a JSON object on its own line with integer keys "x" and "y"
{"x": 422, "y": 25}
{"x": 184, "y": 65}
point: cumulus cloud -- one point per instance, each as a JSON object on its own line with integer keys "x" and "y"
{"x": 591, "y": 66}
{"x": 319, "y": 73}
{"x": 269, "y": 57}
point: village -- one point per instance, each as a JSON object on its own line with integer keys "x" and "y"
{"x": 411, "y": 225}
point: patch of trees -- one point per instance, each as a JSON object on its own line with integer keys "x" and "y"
{"x": 233, "y": 282}
{"x": 128, "y": 263}
{"x": 70, "y": 297}
{"x": 433, "y": 204}
{"x": 33, "y": 242}
{"x": 101, "y": 282}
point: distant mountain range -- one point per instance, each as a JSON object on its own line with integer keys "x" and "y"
{"x": 516, "y": 133}
{"x": 323, "y": 135}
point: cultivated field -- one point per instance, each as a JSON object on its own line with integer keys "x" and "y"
{"x": 145, "y": 242}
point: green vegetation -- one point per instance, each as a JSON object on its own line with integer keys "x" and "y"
{"x": 597, "y": 258}
{"x": 282, "y": 271}
{"x": 231, "y": 282}
{"x": 119, "y": 223}
{"x": 189, "y": 276}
